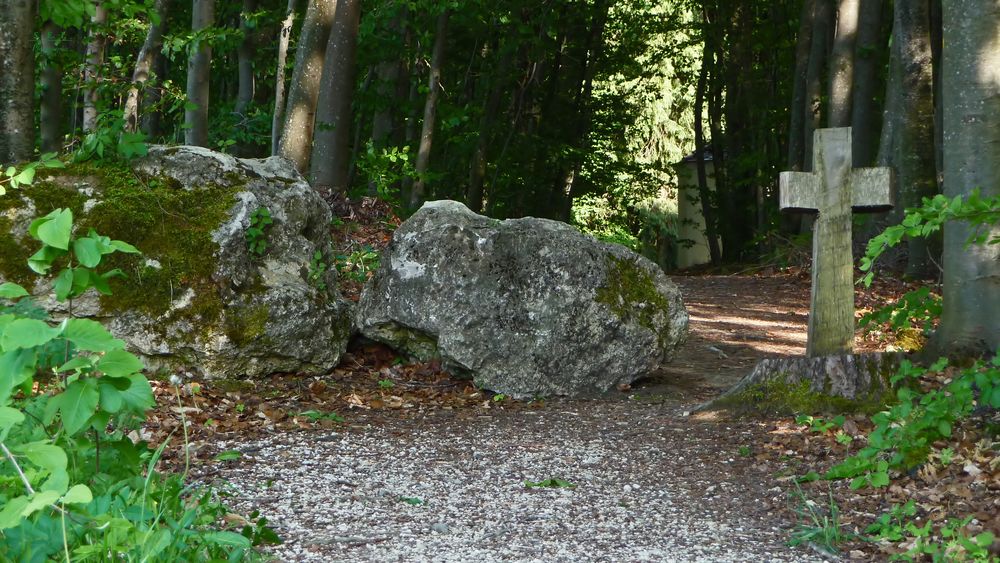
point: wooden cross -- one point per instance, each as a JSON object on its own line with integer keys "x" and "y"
{"x": 833, "y": 188}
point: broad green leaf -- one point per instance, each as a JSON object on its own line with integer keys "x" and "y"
{"x": 41, "y": 262}
{"x": 119, "y": 363}
{"x": 9, "y": 290}
{"x": 81, "y": 281}
{"x": 139, "y": 395}
{"x": 122, "y": 246}
{"x": 80, "y": 362}
{"x": 87, "y": 251}
{"x": 90, "y": 335}
{"x": 27, "y": 176}
{"x": 54, "y": 229}
{"x": 63, "y": 285}
{"x": 229, "y": 455}
{"x": 40, "y": 500}
{"x": 9, "y": 418}
{"x": 111, "y": 395}
{"x": 157, "y": 543}
{"x": 26, "y": 333}
{"x": 53, "y": 459}
{"x": 77, "y": 494}
{"x": 16, "y": 367}
{"x": 77, "y": 404}
{"x": 231, "y": 539}
{"x": 10, "y": 514}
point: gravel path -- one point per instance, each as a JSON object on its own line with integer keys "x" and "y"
{"x": 650, "y": 485}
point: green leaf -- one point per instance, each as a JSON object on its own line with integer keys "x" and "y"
{"x": 90, "y": 335}
{"x": 51, "y": 458}
{"x": 27, "y": 176}
{"x": 119, "y": 363}
{"x": 121, "y": 246}
{"x": 40, "y": 500}
{"x": 77, "y": 404}
{"x": 63, "y": 285}
{"x": 80, "y": 362}
{"x": 9, "y": 290}
{"x": 26, "y": 333}
{"x": 229, "y": 455}
{"x": 412, "y": 501}
{"x": 87, "y": 251}
{"x": 10, "y": 514}
{"x": 40, "y": 262}
{"x": 139, "y": 395}
{"x": 78, "y": 494}
{"x": 9, "y": 418}
{"x": 230, "y": 539}
{"x": 54, "y": 229}
{"x": 111, "y": 389}
{"x": 16, "y": 367}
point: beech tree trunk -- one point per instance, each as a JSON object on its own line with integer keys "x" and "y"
{"x": 92, "y": 70}
{"x": 244, "y": 55}
{"x": 199, "y": 67}
{"x": 331, "y": 142}
{"x": 300, "y": 112}
{"x": 144, "y": 63}
{"x": 278, "y": 120}
{"x": 842, "y": 64}
{"x": 796, "y": 128}
{"x": 50, "y": 119}
{"x": 430, "y": 111}
{"x": 17, "y": 84}
{"x": 867, "y": 61}
{"x": 971, "y": 98}
{"x": 818, "y": 55}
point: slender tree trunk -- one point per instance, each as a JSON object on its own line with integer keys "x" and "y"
{"x": 971, "y": 96}
{"x": 477, "y": 167}
{"x": 867, "y": 60}
{"x": 936, "y": 47}
{"x": 284, "y": 36}
{"x": 245, "y": 60}
{"x": 707, "y": 208}
{"x": 818, "y": 55}
{"x": 198, "y": 75}
{"x": 50, "y": 119}
{"x": 144, "y": 63}
{"x": 842, "y": 64}
{"x": 430, "y": 111}
{"x": 92, "y": 71}
{"x": 331, "y": 142}
{"x": 300, "y": 114}
{"x": 796, "y": 128}
{"x": 17, "y": 84}
{"x": 150, "y": 111}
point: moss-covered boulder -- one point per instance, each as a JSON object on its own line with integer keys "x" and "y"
{"x": 198, "y": 298}
{"x": 525, "y": 307}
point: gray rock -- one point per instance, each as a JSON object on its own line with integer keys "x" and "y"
{"x": 525, "y": 307}
{"x": 198, "y": 298}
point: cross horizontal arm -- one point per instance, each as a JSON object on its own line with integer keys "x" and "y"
{"x": 799, "y": 191}
{"x": 871, "y": 189}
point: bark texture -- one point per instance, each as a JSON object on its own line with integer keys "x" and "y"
{"x": 199, "y": 66}
{"x": 818, "y": 58}
{"x": 300, "y": 112}
{"x": 17, "y": 67}
{"x": 867, "y": 61}
{"x": 430, "y": 111}
{"x": 144, "y": 64}
{"x": 796, "y": 128}
{"x": 245, "y": 60}
{"x": 92, "y": 70}
{"x": 971, "y": 98}
{"x": 50, "y": 120}
{"x": 278, "y": 120}
{"x": 842, "y": 64}
{"x": 331, "y": 141}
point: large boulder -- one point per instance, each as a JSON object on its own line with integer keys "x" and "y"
{"x": 525, "y": 307}
{"x": 198, "y": 298}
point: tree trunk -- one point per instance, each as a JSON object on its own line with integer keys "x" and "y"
{"x": 707, "y": 207}
{"x": 430, "y": 111}
{"x": 150, "y": 110}
{"x": 867, "y": 63}
{"x": 477, "y": 167}
{"x": 144, "y": 63}
{"x": 17, "y": 83}
{"x": 842, "y": 64}
{"x": 300, "y": 113}
{"x": 92, "y": 71}
{"x": 199, "y": 69}
{"x": 244, "y": 94}
{"x": 818, "y": 52}
{"x": 971, "y": 96}
{"x": 331, "y": 142}
{"x": 278, "y": 120}
{"x": 796, "y": 128}
{"x": 50, "y": 119}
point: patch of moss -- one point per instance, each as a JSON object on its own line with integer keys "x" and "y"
{"x": 14, "y": 256}
{"x": 415, "y": 343}
{"x": 244, "y": 324}
{"x": 631, "y": 294}
{"x": 777, "y": 397}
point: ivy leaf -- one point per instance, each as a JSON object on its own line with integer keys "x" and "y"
{"x": 26, "y": 333}
{"x": 119, "y": 363}
{"x": 90, "y": 335}
{"x": 77, "y": 404}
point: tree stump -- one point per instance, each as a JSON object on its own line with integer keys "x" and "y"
{"x": 834, "y": 383}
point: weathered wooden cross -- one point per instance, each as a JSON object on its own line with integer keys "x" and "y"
{"x": 833, "y": 188}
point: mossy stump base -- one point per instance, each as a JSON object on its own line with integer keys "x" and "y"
{"x": 836, "y": 383}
